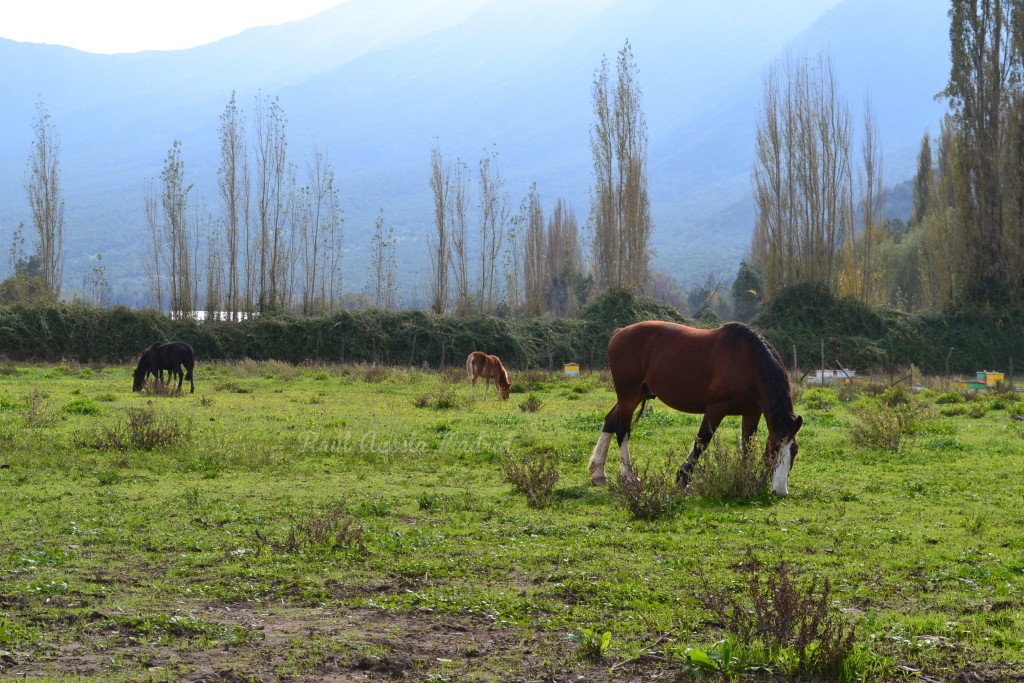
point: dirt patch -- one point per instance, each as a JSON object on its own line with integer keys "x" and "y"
{"x": 317, "y": 644}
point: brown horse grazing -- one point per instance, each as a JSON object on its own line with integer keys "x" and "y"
{"x": 731, "y": 370}
{"x": 479, "y": 364}
{"x": 171, "y": 357}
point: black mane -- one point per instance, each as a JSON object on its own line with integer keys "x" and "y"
{"x": 780, "y": 400}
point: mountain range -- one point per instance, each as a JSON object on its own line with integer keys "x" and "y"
{"x": 376, "y": 84}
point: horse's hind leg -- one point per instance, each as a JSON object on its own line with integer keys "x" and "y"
{"x": 598, "y": 458}
{"x": 614, "y": 425}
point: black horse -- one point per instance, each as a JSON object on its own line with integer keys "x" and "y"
{"x": 171, "y": 357}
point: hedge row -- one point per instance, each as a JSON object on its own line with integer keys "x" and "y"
{"x": 802, "y": 323}
{"x": 806, "y": 321}
{"x": 77, "y": 332}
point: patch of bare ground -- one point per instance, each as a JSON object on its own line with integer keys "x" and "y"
{"x": 290, "y": 643}
{"x": 985, "y": 673}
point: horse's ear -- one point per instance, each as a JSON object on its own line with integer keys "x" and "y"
{"x": 798, "y": 423}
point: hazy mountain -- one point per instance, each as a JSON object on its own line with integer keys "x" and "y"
{"x": 376, "y": 84}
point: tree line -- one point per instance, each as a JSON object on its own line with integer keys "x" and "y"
{"x": 274, "y": 239}
{"x": 819, "y": 213}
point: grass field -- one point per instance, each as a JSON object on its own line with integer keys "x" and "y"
{"x": 356, "y": 523}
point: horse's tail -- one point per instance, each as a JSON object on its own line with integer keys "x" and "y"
{"x": 469, "y": 366}
{"x": 636, "y": 418}
{"x": 190, "y": 361}
{"x": 648, "y": 394}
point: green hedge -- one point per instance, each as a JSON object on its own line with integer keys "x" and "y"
{"x": 801, "y": 319}
{"x": 58, "y": 332}
{"x": 866, "y": 339}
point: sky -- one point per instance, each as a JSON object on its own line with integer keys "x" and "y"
{"x": 114, "y": 26}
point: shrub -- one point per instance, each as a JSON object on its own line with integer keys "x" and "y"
{"x": 651, "y": 494}
{"x": 275, "y": 369}
{"x": 533, "y": 473}
{"x": 897, "y": 395}
{"x": 82, "y": 406}
{"x": 374, "y": 374}
{"x": 784, "y": 618}
{"x": 446, "y": 398}
{"x": 39, "y": 413}
{"x": 531, "y": 405}
{"x": 881, "y": 425}
{"x": 950, "y": 397}
{"x": 143, "y": 430}
{"x": 726, "y": 473}
{"x": 820, "y": 398}
{"x": 329, "y": 530}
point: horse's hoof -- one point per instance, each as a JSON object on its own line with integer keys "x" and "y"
{"x": 599, "y": 481}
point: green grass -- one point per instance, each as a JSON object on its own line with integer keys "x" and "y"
{"x": 318, "y": 522}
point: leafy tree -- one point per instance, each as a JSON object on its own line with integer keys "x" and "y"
{"x": 746, "y": 292}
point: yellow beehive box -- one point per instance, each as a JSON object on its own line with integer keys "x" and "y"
{"x": 572, "y": 369}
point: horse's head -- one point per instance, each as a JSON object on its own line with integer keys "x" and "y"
{"x": 504, "y": 385}
{"x": 780, "y": 453}
{"x": 139, "y": 378}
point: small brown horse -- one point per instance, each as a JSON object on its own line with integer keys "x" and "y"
{"x": 480, "y": 365}
{"x": 731, "y": 370}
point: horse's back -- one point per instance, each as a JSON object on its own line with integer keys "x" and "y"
{"x": 683, "y": 366}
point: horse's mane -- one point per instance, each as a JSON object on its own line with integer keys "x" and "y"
{"x": 780, "y": 400}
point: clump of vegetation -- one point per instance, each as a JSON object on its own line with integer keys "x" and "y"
{"x": 885, "y": 423}
{"x": 728, "y": 474}
{"x": 142, "y": 430}
{"x": 950, "y": 398}
{"x": 8, "y": 369}
{"x": 820, "y": 398}
{"x": 531, "y": 405}
{"x": 527, "y": 381}
{"x": 592, "y": 643}
{"x": 374, "y": 374}
{"x": 39, "y": 412}
{"x": 329, "y": 530}
{"x": 275, "y": 369}
{"x": 793, "y": 626}
{"x": 533, "y": 473}
{"x": 81, "y": 406}
{"x": 651, "y": 493}
{"x": 446, "y": 398}
{"x": 156, "y": 388}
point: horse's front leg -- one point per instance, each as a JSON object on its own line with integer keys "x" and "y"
{"x": 707, "y": 430}
{"x": 749, "y": 431}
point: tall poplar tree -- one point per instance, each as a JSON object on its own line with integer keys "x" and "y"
{"x": 620, "y": 211}
{"x": 46, "y": 200}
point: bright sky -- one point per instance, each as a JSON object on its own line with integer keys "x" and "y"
{"x": 110, "y": 26}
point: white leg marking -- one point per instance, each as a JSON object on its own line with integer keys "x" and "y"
{"x": 597, "y": 460}
{"x": 625, "y": 467}
{"x": 780, "y": 478}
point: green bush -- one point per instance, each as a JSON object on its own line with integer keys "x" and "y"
{"x": 820, "y": 398}
{"x": 533, "y": 473}
{"x": 726, "y": 473}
